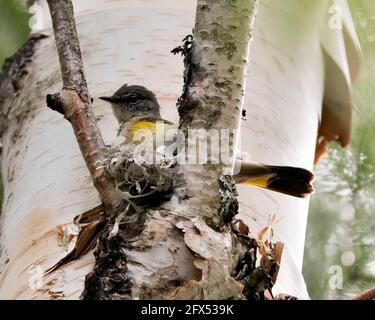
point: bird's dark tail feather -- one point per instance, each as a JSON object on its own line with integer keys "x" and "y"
{"x": 291, "y": 180}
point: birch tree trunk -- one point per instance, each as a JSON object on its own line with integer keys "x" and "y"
{"x": 47, "y": 183}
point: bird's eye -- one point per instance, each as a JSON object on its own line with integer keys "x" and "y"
{"x": 133, "y": 99}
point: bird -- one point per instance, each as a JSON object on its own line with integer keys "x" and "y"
{"x": 136, "y": 107}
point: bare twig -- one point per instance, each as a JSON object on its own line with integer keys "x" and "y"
{"x": 75, "y": 103}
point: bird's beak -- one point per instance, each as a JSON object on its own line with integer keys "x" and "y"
{"x": 112, "y": 99}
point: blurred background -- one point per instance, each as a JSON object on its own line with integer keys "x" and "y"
{"x": 341, "y": 229}
{"x": 339, "y": 254}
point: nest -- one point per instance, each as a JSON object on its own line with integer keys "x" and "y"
{"x": 143, "y": 183}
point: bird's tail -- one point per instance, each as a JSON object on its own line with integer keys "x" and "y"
{"x": 287, "y": 180}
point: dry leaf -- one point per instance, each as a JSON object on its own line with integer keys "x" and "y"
{"x": 65, "y": 234}
{"x": 262, "y": 233}
{"x": 243, "y": 228}
{"x": 88, "y": 216}
{"x": 85, "y": 242}
{"x": 277, "y": 251}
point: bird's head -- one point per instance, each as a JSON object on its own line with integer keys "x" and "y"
{"x": 130, "y": 101}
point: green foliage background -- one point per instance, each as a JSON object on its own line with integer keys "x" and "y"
{"x": 13, "y": 27}
{"x": 341, "y": 230}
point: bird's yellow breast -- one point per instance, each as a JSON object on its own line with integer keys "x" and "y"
{"x": 142, "y": 125}
{"x": 135, "y": 129}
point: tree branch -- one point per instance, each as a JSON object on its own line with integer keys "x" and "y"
{"x": 213, "y": 96}
{"x": 74, "y": 101}
{"x": 367, "y": 295}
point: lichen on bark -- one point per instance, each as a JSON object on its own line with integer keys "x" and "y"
{"x": 215, "y": 68}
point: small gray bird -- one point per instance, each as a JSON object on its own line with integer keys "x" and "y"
{"x": 136, "y": 107}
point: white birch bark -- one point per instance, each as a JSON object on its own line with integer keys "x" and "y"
{"x": 46, "y": 181}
